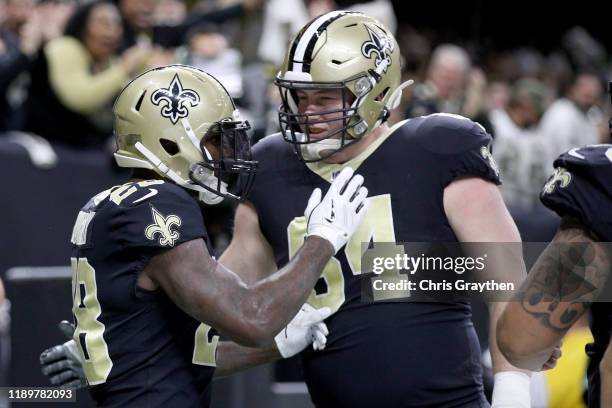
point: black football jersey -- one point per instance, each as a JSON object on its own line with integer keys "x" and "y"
{"x": 383, "y": 354}
{"x": 581, "y": 186}
{"x": 138, "y": 348}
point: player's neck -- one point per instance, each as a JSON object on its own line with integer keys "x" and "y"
{"x": 356, "y": 148}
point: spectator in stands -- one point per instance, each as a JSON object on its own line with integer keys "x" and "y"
{"x": 572, "y": 120}
{"x": 497, "y": 95}
{"x": 26, "y": 28}
{"x": 451, "y": 86}
{"x": 518, "y": 146}
{"x": 139, "y": 22}
{"x": 76, "y": 78}
{"x": 16, "y": 15}
{"x": 527, "y": 102}
{"x": 442, "y": 90}
{"x": 17, "y": 49}
{"x": 207, "y": 48}
{"x": 169, "y": 12}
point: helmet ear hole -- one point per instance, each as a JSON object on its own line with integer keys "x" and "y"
{"x": 139, "y": 103}
{"x": 169, "y": 146}
{"x": 382, "y": 95}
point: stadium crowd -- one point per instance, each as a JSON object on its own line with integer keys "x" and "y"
{"x": 58, "y": 79}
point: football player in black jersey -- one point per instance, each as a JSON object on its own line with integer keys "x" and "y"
{"x": 146, "y": 292}
{"x": 430, "y": 179}
{"x": 572, "y": 273}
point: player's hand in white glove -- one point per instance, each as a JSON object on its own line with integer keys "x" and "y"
{"x": 306, "y": 327}
{"x": 62, "y": 363}
{"x": 337, "y": 216}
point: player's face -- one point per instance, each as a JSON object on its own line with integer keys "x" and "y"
{"x": 228, "y": 143}
{"x": 315, "y": 103}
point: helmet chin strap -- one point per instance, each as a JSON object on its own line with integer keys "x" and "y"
{"x": 206, "y": 177}
{"x": 312, "y": 151}
{"x": 396, "y": 97}
{"x": 392, "y": 103}
{"x": 210, "y": 198}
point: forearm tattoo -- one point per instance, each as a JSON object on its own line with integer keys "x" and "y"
{"x": 567, "y": 278}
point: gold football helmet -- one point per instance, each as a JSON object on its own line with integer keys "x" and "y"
{"x": 339, "y": 50}
{"x": 181, "y": 123}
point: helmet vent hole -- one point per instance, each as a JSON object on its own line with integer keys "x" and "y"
{"x": 382, "y": 95}
{"x": 139, "y": 103}
{"x": 336, "y": 62}
{"x": 350, "y": 25}
{"x": 169, "y": 146}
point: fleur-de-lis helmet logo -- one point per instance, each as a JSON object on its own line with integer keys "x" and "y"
{"x": 381, "y": 47}
{"x": 174, "y": 100}
{"x": 561, "y": 176}
{"x": 162, "y": 226}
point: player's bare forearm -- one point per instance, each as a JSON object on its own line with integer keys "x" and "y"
{"x": 273, "y": 302}
{"x": 499, "y": 361}
{"x": 232, "y": 357}
{"x": 560, "y": 288}
{"x": 250, "y": 315}
{"x": 506, "y": 265}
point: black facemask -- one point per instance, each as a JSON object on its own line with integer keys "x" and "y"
{"x": 234, "y": 166}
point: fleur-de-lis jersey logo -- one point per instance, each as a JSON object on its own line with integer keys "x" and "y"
{"x": 560, "y": 176}
{"x": 162, "y": 226}
{"x": 380, "y": 47}
{"x": 174, "y": 100}
{"x": 486, "y": 154}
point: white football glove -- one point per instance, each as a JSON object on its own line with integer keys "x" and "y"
{"x": 306, "y": 327}
{"x": 338, "y": 215}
